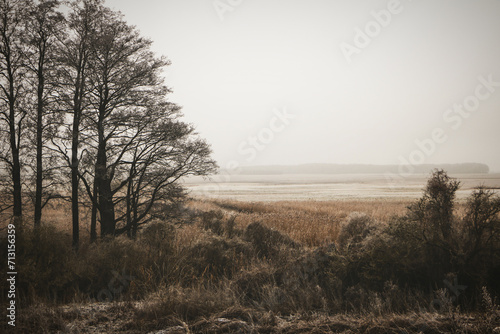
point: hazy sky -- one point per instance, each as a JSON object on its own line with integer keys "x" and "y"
{"x": 302, "y": 81}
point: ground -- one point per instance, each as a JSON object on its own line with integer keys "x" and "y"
{"x": 307, "y": 209}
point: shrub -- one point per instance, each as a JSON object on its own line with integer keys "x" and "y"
{"x": 434, "y": 211}
{"x": 249, "y": 283}
{"x": 432, "y": 228}
{"x": 47, "y": 262}
{"x": 311, "y": 282}
{"x": 157, "y": 255}
{"x": 188, "y": 303}
{"x": 481, "y": 233}
{"x": 158, "y": 238}
{"x": 430, "y": 242}
{"x": 106, "y": 269}
{"x": 355, "y": 230}
{"x": 213, "y": 221}
{"x": 267, "y": 242}
{"x": 482, "y": 223}
{"x": 213, "y": 258}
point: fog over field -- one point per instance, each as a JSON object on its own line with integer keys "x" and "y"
{"x": 325, "y": 182}
{"x": 324, "y": 187}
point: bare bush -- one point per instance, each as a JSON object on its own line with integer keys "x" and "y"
{"x": 267, "y": 242}
{"x": 355, "y": 230}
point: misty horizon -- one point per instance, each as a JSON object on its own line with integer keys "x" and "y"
{"x": 293, "y": 82}
{"x": 332, "y": 168}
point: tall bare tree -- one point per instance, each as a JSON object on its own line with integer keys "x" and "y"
{"x": 125, "y": 72}
{"x": 74, "y": 57}
{"x": 12, "y": 92}
{"x": 168, "y": 151}
{"x": 140, "y": 147}
{"x": 42, "y": 30}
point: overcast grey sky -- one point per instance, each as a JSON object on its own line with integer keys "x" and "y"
{"x": 303, "y": 81}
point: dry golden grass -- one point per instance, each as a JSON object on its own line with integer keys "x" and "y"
{"x": 311, "y": 223}
{"x": 187, "y": 236}
{"x": 56, "y": 213}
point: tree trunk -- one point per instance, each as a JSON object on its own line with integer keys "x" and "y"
{"x": 16, "y": 178}
{"x": 75, "y": 177}
{"x": 93, "y": 218}
{"x": 106, "y": 205}
{"x": 135, "y": 214}
{"x": 14, "y": 146}
{"x": 39, "y": 143}
{"x": 106, "y": 208}
{"x": 10, "y": 74}
{"x": 129, "y": 208}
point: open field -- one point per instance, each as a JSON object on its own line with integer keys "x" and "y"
{"x": 285, "y": 187}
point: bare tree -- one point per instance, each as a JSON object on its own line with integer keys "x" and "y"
{"x": 482, "y": 224}
{"x": 45, "y": 23}
{"x": 12, "y": 92}
{"x": 75, "y": 65}
{"x": 124, "y": 74}
{"x": 164, "y": 151}
{"x": 139, "y": 147}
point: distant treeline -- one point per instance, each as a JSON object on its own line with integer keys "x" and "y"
{"x": 463, "y": 168}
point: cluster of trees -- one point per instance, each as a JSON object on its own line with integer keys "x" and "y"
{"x": 84, "y": 115}
{"x": 440, "y": 245}
{"x": 468, "y": 244}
